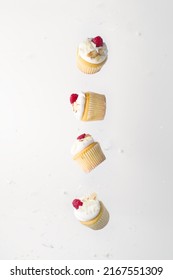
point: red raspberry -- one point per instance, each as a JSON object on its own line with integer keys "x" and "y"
{"x": 73, "y": 97}
{"x": 82, "y": 136}
{"x": 76, "y": 203}
{"x": 98, "y": 41}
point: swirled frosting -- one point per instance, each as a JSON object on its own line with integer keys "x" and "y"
{"x": 82, "y": 141}
{"x": 78, "y": 105}
{"x": 91, "y": 53}
{"x": 87, "y": 208}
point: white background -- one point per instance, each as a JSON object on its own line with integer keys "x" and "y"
{"x": 38, "y": 179}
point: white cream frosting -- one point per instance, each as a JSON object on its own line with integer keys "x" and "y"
{"x": 88, "y": 46}
{"x": 79, "y": 105}
{"x": 89, "y": 210}
{"x": 81, "y": 144}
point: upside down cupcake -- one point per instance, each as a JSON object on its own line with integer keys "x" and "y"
{"x": 87, "y": 153}
{"x": 91, "y": 55}
{"x": 88, "y": 106}
{"x": 91, "y": 212}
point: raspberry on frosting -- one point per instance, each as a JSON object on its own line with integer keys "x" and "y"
{"x": 98, "y": 41}
{"x": 82, "y": 136}
{"x": 76, "y": 203}
{"x": 73, "y": 97}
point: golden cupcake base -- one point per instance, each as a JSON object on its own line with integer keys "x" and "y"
{"x": 87, "y": 67}
{"x": 90, "y": 157}
{"x": 100, "y": 221}
{"x": 95, "y": 107}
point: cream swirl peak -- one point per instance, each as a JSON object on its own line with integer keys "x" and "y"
{"x": 86, "y": 208}
{"x": 82, "y": 141}
{"x": 93, "y": 50}
{"x": 78, "y": 104}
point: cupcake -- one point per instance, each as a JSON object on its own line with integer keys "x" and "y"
{"x": 87, "y": 153}
{"x": 88, "y": 106}
{"x": 91, "y": 212}
{"x": 91, "y": 55}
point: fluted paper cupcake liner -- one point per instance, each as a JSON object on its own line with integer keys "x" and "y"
{"x": 100, "y": 221}
{"x": 88, "y": 68}
{"x": 90, "y": 157}
{"x": 95, "y": 107}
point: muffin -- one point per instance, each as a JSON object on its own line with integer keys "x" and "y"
{"x": 87, "y": 153}
{"x": 88, "y": 106}
{"x": 91, "y": 212}
{"x": 91, "y": 55}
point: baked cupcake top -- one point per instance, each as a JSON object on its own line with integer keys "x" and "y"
{"x": 93, "y": 50}
{"x": 86, "y": 208}
{"x": 78, "y": 104}
{"x": 82, "y": 141}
